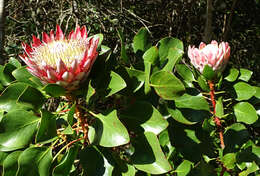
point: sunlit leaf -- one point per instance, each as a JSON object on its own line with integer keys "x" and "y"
{"x": 108, "y": 130}
{"x": 167, "y": 85}
{"x": 244, "y": 91}
{"x": 245, "y": 74}
{"x": 245, "y": 112}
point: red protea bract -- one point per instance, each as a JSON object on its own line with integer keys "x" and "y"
{"x": 214, "y": 55}
{"x": 65, "y": 61}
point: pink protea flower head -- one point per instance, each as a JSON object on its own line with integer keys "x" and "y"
{"x": 214, "y": 55}
{"x": 62, "y": 60}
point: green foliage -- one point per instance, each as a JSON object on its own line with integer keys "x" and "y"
{"x": 140, "y": 112}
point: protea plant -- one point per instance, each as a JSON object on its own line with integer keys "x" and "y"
{"x": 214, "y": 55}
{"x": 62, "y": 60}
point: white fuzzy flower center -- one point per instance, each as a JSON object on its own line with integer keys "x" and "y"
{"x": 66, "y": 50}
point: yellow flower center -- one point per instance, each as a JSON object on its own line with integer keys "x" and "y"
{"x": 66, "y": 50}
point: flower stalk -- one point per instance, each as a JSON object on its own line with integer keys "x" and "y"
{"x": 217, "y": 120}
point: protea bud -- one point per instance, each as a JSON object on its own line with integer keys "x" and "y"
{"x": 214, "y": 55}
{"x": 62, "y": 60}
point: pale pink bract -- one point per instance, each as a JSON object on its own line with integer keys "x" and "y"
{"x": 214, "y": 55}
{"x": 65, "y": 61}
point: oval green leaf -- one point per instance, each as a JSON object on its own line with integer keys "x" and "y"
{"x": 244, "y": 91}
{"x": 245, "y": 112}
{"x": 167, "y": 85}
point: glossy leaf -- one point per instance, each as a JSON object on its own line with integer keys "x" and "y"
{"x": 151, "y": 55}
{"x": 22, "y": 75}
{"x": 197, "y": 102}
{"x": 47, "y": 129}
{"x": 54, "y": 90}
{"x": 148, "y": 156}
{"x": 31, "y": 97}
{"x": 140, "y": 42}
{"x": 108, "y": 131}
{"x": 90, "y": 93}
{"x": 245, "y": 74}
{"x": 94, "y": 162}
{"x": 145, "y": 115}
{"x": 6, "y": 76}
{"x": 64, "y": 167}
{"x": 164, "y": 46}
{"x": 174, "y": 56}
{"x": 188, "y": 116}
{"x": 14, "y": 62}
{"x": 234, "y": 137}
{"x": 251, "y": 167}
{"x": 167, "y": 85}
{"x": 116, "y": 84}
{"x": 184, "y": 168}
{"x": 185, "y": 72}
{"x": 104, "y": 49}
{"x": 35, "y": 161}
{"x": 244, "y": 91}
{"x": 233, "y": 74}
{"x": 229, "y": 160}
{"x": 71, "y": 113}
{"x": 219, "y": 108}
{"x": 208, "y": 73}
{"x": 17, "y": 129}
{"x": 257, "y": 93}
{"x": 137, "y": 78}
{"x": 3, "y": 155}
{"x": 245, "y": 112}
{"x": 203, "y": 84}
{"x": 10, "y": 164}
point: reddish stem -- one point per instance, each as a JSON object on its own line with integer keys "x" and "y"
{"x": 83, "y": 123}
{"x": 216, "y": 119}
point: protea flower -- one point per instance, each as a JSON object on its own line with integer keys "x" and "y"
{"x": 66, "y": 61}
{"x": 214, "y": 55}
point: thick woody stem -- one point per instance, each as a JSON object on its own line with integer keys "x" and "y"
{"x": 216, "y": 119}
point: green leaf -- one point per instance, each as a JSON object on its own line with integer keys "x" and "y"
{"x": 148, "y": 155}
{"x": 104, "y": 49}
{"x": 64, "y": 167}
{"x": 123, "y": 50}
{"x": 203, "y": 83}
{"x": 71, "y": 113}
{"x": 14, "y": 62}
{"x": 17, "y": 129}
{"x": 244, "y": 91}
{"x": 3, "y": 155}
{"x": 6, "y": 76}
{"x": 251, "y": 167}
{"x": 54, "y": 90}
{"x": 184, "y": 168}
{"x": 197, "y": 102}
{"x": 164, "y": 48}
{"x": 185, "y": 72}
{"x": 100, "y": 36}
{"x": 137, "y": 78}
{"x": 234, "y": 137}
{"x": 31, "y": 97}
{"x": 229, "y": 160}
{"x": 147, "y": 69}
{"x": 116, "y": 83}
{"x": 35, "y": 161}
{"x": 108, "y": 131}
{"x": 22, "y": 75}
{"x": 208, "y": 73}
{"x": 174, "y": 56}
{"x": 130, "y": 171}
{"x": 257, "y": 93}
{"x": 140, "y": 42}
{"x": 9, "y": 98}
{"x": 245, "y": 74}
{"x": 167, "y": 85}
{"x": 94, "y": 162}
{"x": 151, "y": 55}
{"x": 233, "y": 74}
{"x": 10, "y": 164}
{"x": 47, "y": 129}
{"x": 143, "y": 114}
{"x": 245, "y": 112}
{"x": 90, "y": 93}
{"x": 219, "y": 108}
